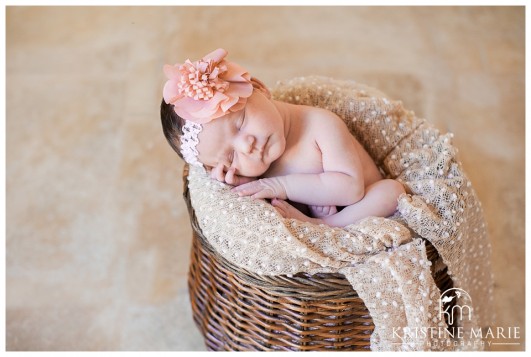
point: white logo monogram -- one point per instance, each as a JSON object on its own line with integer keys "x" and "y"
{"x": 455, "y": 304}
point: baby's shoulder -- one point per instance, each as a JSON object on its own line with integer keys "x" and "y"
{"x": 325, "y": 121}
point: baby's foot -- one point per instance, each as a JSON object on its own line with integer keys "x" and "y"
{"x": 322, "y": 211}
{"x": 288, "y": 211}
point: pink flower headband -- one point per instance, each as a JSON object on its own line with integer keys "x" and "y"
{"x": 207, "y": 89}
{"x": 204, "y": 90}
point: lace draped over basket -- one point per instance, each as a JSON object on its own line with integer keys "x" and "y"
{"x": 383, "y": 258}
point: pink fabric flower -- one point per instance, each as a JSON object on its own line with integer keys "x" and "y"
{"x": 207, "y": 89}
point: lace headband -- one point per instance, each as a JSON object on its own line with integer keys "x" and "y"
{"x": 189, "y": 141}
{"x": 204, "y": 90}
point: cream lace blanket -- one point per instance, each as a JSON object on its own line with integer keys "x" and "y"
{"x": 384, "y": 259}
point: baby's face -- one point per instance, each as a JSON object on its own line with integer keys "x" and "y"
{"x": 248, "y": 140}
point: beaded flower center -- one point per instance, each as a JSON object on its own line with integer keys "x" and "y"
{"x": 200, "y": 80}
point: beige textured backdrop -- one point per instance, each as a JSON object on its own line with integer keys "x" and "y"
{"x": 98, "y": 237}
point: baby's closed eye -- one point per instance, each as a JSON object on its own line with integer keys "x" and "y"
{"x": 241, "y": 120}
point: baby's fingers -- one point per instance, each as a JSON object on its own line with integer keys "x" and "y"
{"x": 256, "y": 190}
{"x": 236, "y": 180}
{"x": 248, "y": 189}
{"x": 217, "y": 173}
{"x": 263, "y": 193}
{"x": 231, "y": 178}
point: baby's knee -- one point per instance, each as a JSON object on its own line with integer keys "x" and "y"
{"x": 393, "y": 190}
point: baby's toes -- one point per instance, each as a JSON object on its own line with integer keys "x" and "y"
{"x": 317, "y": 211}
{"x": 332, "y": 210}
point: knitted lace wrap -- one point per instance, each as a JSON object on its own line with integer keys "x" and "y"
{"x": 383, "y": 258}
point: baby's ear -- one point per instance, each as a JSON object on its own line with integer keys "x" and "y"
{"x": 257, "y": 84}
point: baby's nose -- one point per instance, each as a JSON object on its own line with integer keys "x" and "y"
{"x": 246, "y": 143}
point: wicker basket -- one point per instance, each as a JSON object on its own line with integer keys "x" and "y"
{"x": 237, "y": 310}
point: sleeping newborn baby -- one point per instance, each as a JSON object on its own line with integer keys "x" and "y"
{"x": 215, "y": 115}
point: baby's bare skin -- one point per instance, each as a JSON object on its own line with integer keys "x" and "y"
{"x": 302, "y": 154}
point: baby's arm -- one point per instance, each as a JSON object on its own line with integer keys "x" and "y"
{"x": 325, "y": 189}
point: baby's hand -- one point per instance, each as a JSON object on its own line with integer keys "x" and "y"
{"x": 264, "y": 188}
{"x": 230, "y": 177}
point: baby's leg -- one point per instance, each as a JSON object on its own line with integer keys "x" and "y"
{"x": 380, "y": 200}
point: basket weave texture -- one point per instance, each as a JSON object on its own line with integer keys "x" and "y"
{"x": 237, "y": 310}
